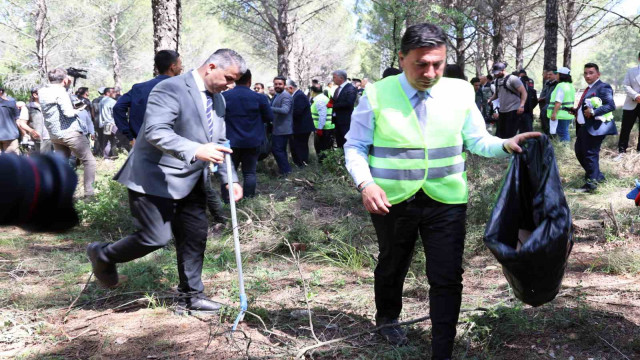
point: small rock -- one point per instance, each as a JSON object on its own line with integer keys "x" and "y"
{"x": 573, "y": 336}
{"x": 571, "y": 358}
{"x": 332, "y": 327}
{"x": 541, "y": 352}
{"x": 491, "y": 267}
{"x": 121, "y": 340}
{"x": 552, "y": 354}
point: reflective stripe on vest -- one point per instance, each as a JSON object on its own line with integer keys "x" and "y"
{"x": 567, "y": 101}
{"x": 403, "y": 159}
{"x": 328, "y": 124}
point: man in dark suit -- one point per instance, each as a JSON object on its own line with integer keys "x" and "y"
{"x": 182, "y": 134}
{"x": 593, "y": 125}
{"x": 247, "y": 113}
{"x": 344, "y": 98}
{"x": 134, "y": 102}
{"x": 302, "y": 125}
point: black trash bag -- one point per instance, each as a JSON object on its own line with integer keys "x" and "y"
{"x": 530, "y": 231}
{"x": 265, "y": 147}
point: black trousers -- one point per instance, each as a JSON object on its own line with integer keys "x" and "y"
{"x": 323, "y": 143}
{"x": 587, "y": 150}
{"x": 214, "y": 203}
{"x": 442, "y": 229}
{"x": 629, "y": 118}
{"x": 157, "y": 218}
{"x": 508, "y": 124}
{"x": 526, "y": 122}
{"x": 299, "y": 146}
{"x": 341, "y": 131}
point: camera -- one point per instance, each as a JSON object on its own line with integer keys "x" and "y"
{"x": 36, "y": 192}
{"x": 77, "y": 73}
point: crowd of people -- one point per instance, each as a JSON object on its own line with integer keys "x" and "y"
{"x": 404, "y": 139}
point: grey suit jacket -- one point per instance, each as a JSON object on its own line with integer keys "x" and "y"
{"x": 282, "y": 107}
{"x": 162, "y": 162}
{"x": 632, "y": 87}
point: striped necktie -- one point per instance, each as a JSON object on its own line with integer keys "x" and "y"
{"x": 209, "y": 112}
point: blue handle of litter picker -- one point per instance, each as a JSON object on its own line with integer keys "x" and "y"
{"x": 243, "y": 308}
{"x": 214, "y": 167}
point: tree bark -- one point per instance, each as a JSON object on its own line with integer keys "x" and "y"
{"x": 551, "y": 35}
{"x": 522, "y": 25}
{"x": 568, "y": 33}
{"x": 166, "y": 24}
{"x": 41, "y": 31}
{"x": 497, "y": 39}
{"x": 115, "y": 54}
{"x": 282, "y": 38}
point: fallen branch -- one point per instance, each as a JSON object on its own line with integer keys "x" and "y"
{"x": 296, "y": 258}
{"x": 300, "y": 354}
{"x": 64, "y": 319}
{"x": 614, "y": 348}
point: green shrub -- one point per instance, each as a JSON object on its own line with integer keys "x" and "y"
{"x": 108, "y": 211}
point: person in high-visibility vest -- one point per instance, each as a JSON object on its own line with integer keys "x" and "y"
{"x": 405, "y": 152}
{"x": 322, "y": 120}
{"x": 560, "y": 110}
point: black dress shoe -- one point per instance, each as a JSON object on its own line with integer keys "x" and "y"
{"x": 106, "y": 273}
{"x": 197, "y": 305}
{"x": 394, "y": 334}
{"x": 588, "y": 187}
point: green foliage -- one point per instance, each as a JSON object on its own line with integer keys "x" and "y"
{"x": 619, "y": 54}
{"x": 108, "y": 211}
{"x": 334, "y": 163}
{"x": 343, "y": 254}
{"x": 621, "y": 261}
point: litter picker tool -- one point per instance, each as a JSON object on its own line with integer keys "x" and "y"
{"x": 236, "y": 242}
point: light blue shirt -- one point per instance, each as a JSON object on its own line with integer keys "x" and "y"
{"x": 360, "y": 136}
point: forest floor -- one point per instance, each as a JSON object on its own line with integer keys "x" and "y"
{"x": 49, "y": 309}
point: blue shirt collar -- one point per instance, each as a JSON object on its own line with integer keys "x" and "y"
{"x": 408, "y": 89}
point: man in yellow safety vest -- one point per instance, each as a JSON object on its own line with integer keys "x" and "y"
{"x": 405, "y": 152}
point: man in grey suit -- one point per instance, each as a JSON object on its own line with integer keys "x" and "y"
{"x": 282, "y": 107}
{"x": 182, "y": 134}
{"x": 630, "y": 110}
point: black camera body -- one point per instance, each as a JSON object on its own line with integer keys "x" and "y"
{"x": 77, "y": 73}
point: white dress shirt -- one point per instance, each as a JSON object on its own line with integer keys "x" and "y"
{"x": 580, "y": 117}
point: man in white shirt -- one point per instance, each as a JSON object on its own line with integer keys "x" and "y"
{"x": 630, "y": 110}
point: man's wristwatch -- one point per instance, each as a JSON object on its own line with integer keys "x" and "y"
{"x": 361, "y": 187}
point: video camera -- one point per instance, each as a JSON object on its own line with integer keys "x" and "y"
{"x": 76, "y": 73}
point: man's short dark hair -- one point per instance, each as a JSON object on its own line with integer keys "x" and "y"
{"x": 107, "y": 90}
{"x": 592, "y": 65}
{"x": 475, "y": 80}
{"x": 422, "y": 35}
{"x": 390, "y": 71}
{"x": 245, "y": 79}
{"x": 280, "y": 77}
{"x": 260, "y": 84}
{"x": 489, "y": 77}
{"x": 81, "y": 91}
{"x": 164, "y": 59}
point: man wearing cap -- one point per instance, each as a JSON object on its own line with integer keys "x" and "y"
{"x": 512, "y": 96}
{"x": 595, "y": 121}
{"x": 405, "y": 153}
{"x": 560, "y": 109}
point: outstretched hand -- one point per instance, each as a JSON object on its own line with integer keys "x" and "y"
{"x": 513, "y": 144}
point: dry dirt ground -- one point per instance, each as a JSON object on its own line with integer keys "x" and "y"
{"x": 50, "y": 311}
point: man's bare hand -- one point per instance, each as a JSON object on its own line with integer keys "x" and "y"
{"x": 212, "y": 152}
{"x": 513, "y": 144}
{"x": 132, "y": 142}
{"x": 495, "y": 116}
{"x": 375, "y": 200}
{"x": 588, "y": 113}
{"x": 638, "y": 99}
{"x": 520, "y": 110}
{"x": 237, "y": 191}
{"x": 34, "y": 134}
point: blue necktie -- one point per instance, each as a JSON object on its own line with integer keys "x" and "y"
{"x": 421, "y": 110}
{"x": 209, "y": 112}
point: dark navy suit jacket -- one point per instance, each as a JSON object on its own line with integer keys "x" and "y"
{"x": 135, "y": 103}
{"x": 302, "y": 120}
{"x": 246, "y": 113}
{"x": 343, "y": 104}
{"x": 597, "y": 127}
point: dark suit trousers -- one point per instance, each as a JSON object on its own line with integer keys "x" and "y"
{"x": 341, "y": 131}
{"x": 588, "y": 153}
{"x": 247, "y": 159}
{"x": 279, "y": 150}
{"x": 442, "y": 229}
{"x": 214, "y": 204}
{"x": 299, "y": 146}
{"x": 323, "y": 143}
{"x": 544, "y": 123}
{"x": 526, "y": 122}
{"x": 157, "y": 218}
{"x": 629, "y": 118}
{"x": 508, "y": 124}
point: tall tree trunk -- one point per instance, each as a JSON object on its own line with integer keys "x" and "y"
{"x": 479, "y": 58}
{"x": 522, "y": 25}
{"x": 568, "y": 33}
{"x": 497, "y": 38}
{"x": 166, "y": 24}
{"x": 282, "y": 38}
{"x": 115, "y": 55}
{"x": 41, "y": 30}
{"x": 460, "y": 46}
{"x": 551, "y": 35}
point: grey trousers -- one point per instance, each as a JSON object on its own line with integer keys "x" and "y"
{"x": 79, "y": 145}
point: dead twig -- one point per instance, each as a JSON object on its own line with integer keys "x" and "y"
{"x": 613, "y": 218}
{"x": 300, "y": 354}
{"x": 613, "y": 347}
{"x": 64, "y": 319}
